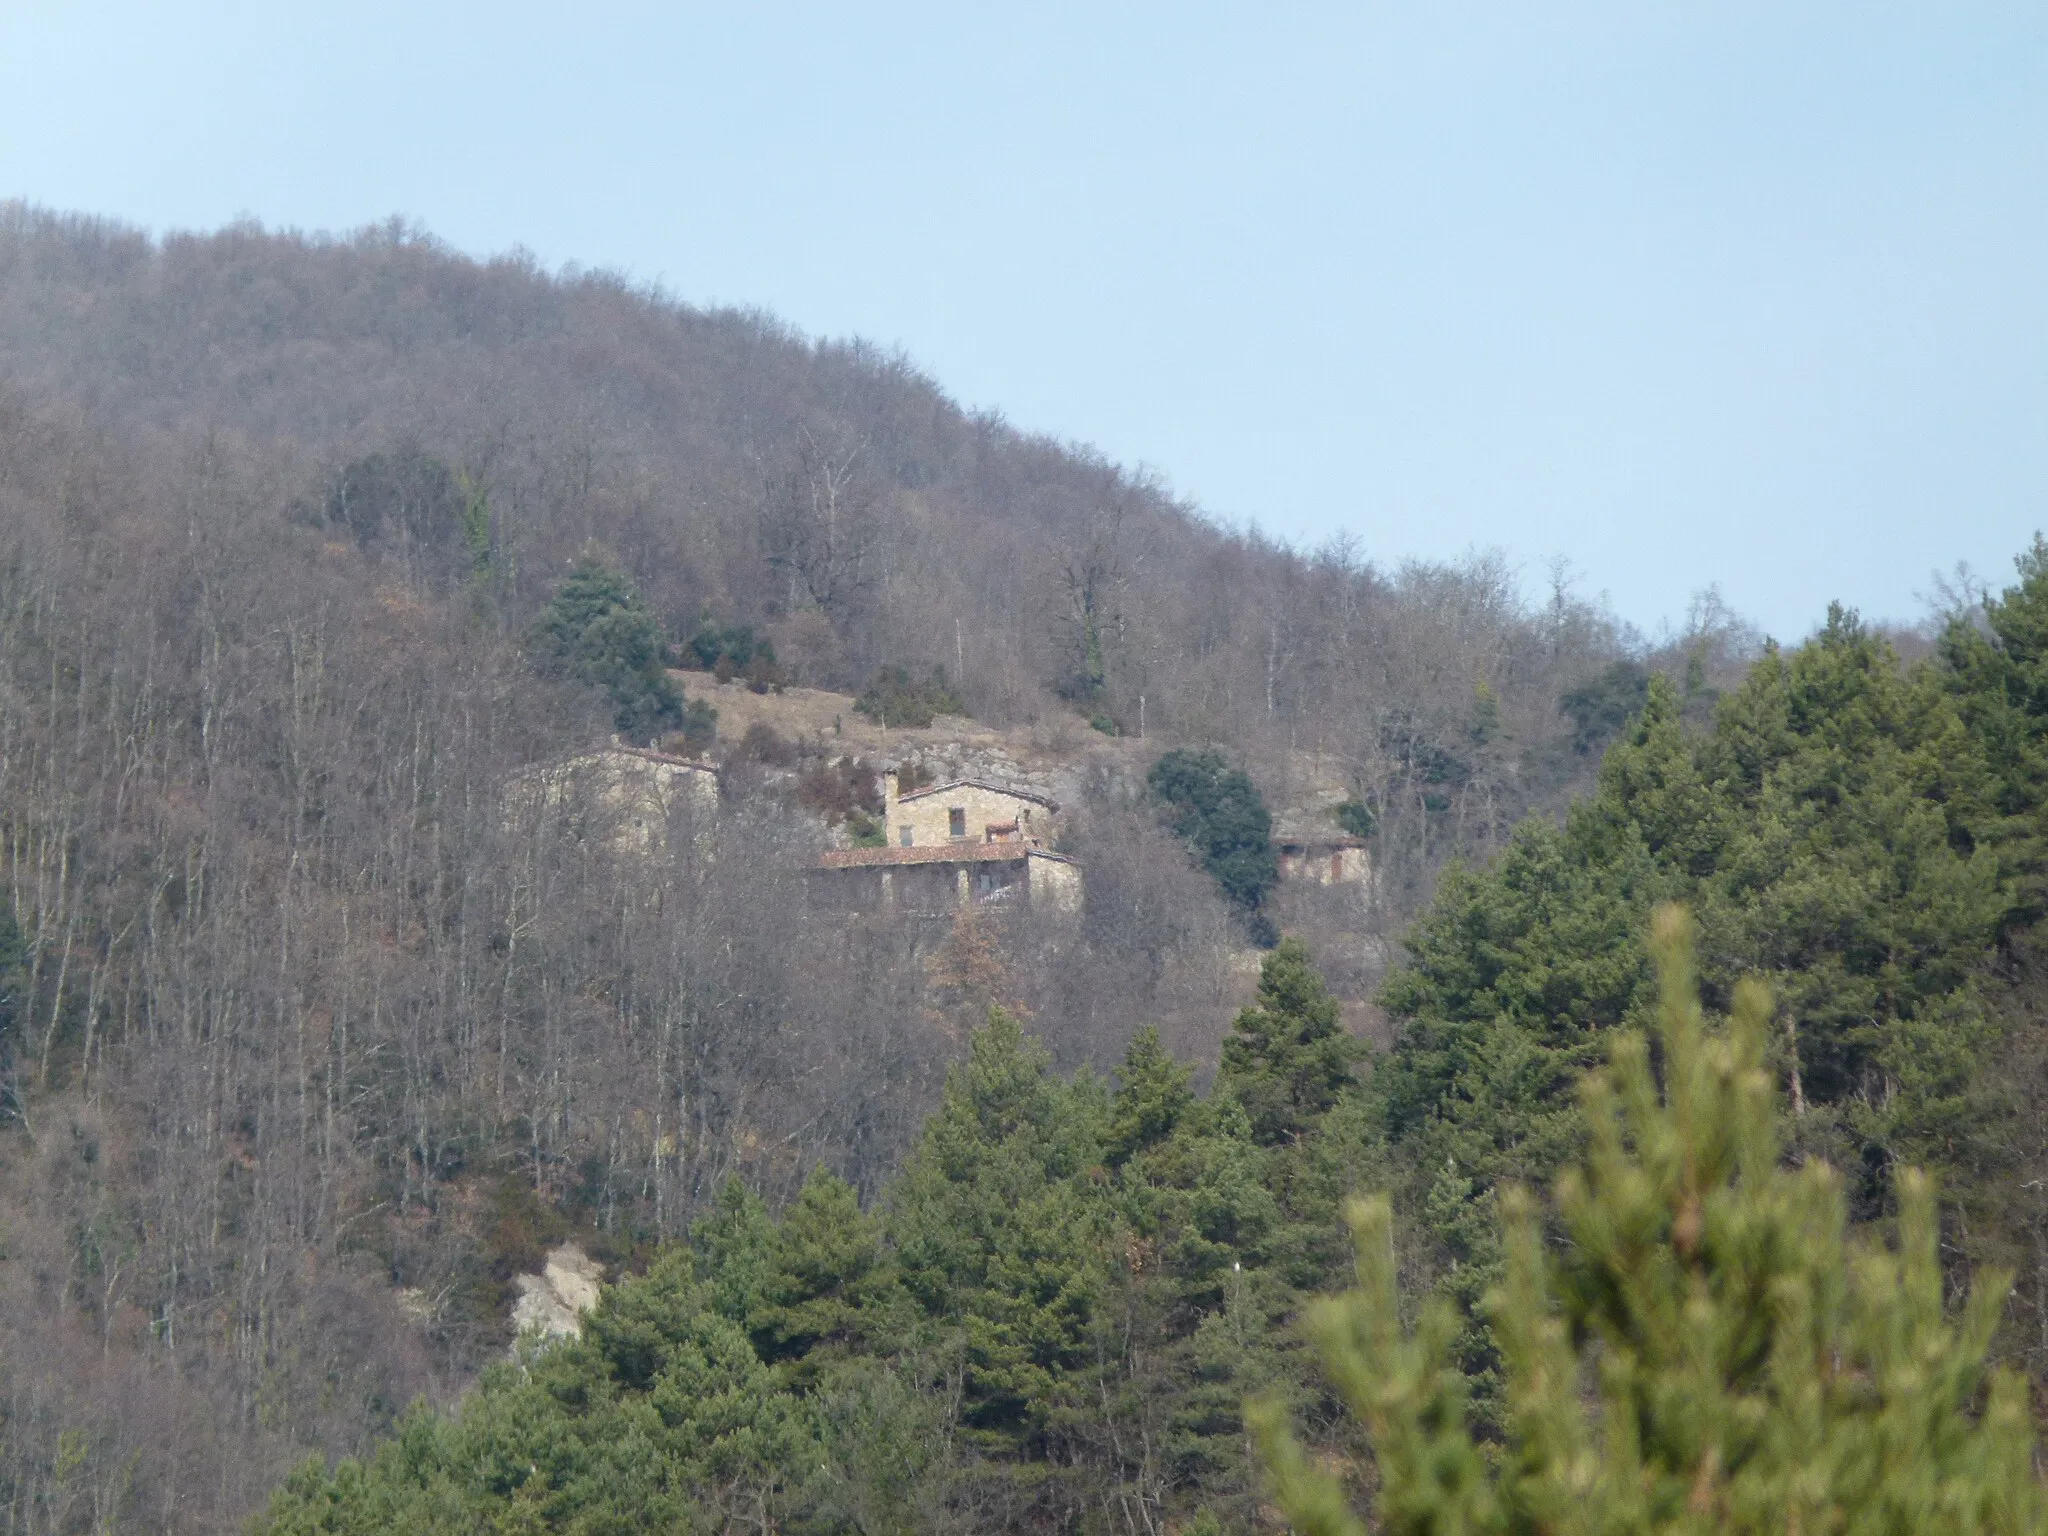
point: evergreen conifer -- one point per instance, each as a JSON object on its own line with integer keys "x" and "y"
{"x": 1223, "y": 818}
{"x": 597, "y": 630}
{"x": 1287, "y": 1060}
{"x": 1708, "y": 1350}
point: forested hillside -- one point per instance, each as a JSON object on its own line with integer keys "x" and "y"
{"x": 309, "y": 1047}
{"x": 1049, "y": 1321}
{"x": 1056, "y": 1312}
{"x": 313, "y": 1037}
{"x": 824, "y": 490}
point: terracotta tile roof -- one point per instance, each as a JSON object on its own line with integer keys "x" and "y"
{"x": 995, "y": 789}
{"x": 1320, "y": 840}
{"x": 936, "y": 853}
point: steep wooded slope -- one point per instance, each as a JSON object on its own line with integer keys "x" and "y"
{"x": 297, "y": 1021}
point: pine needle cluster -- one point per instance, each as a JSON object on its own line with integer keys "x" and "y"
{"x": 1691, "y": 1340}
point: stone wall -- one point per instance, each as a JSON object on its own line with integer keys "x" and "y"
{"x": 928, "y": 814}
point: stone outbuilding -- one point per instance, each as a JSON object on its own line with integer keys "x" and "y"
{"x": 627, "y": 793}
{"x": 1336, "y": 860}
{"x": 1317, "y": 853}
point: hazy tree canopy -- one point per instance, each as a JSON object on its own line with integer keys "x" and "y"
{"x": 597, "y": 631}
{"x": 733, "y": 650}
{"x": 1223, "y": 818}
{"x": 1708, "y": 1349}
{"x": 1355, "y": 817}
{"x": 825, "y": 494}
{"x": 710, "y": 644}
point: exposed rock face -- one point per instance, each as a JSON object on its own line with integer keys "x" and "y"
{"x": 555, "y": 1300}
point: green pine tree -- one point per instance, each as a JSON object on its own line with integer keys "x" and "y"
{"x": 1288, "y": 1060}
{"x": 1708, "y": 1349}
{"x": 1000, "y": 1233}
{"x": 1154, "y": 1092}
{"x": 598, "y": 631}
{"x": 828, "y": 1284}
{"x": 1997, "y": 674}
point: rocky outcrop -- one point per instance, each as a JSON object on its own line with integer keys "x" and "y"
{"x": 555, "y": 1300}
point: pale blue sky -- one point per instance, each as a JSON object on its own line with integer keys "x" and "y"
{"x": 1747, "y": 294}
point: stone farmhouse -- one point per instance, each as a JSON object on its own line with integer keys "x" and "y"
{"x": 965, "y": 811}
{"x": 961, "y": 843}
{"x": 966, "y": 841}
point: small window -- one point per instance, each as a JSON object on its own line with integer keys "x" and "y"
{"x": 956, "y": 822}
{"x": 904, "y": 833}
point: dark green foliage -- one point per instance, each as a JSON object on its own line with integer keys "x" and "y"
{"x": 1435, "y": 764}
{"x": 597, "y": 631}
{"x": 732, "y": 1242}
{"x": 406, "y": 495}
{"x": 12, "y": 981}
{"x": 1708, "y": 1349}
{"x": 1223, "y": 818}
{"x": 1356, "y": 818}
{"x": 1091, "y": 575}
{"x": 1153, "y": 1095}
{"x": 1826, "y": 832}
{"x": 699, "y": 728}
{"x": 893, "y": 697}
{"x": 996, "y": 1233}
{"x": 1601, "y": 708}
{"x": 1856, "y": 833}
{"x": 735, "y": 643}
{"x": 1485, "y": 724}
{"x": 731, "y": 651}
{"x": 1997, "y": 673}
{"x": 829, "y": 1285}
{"x": 660, "y": 1418}
{"x": 1287, "y": 1061}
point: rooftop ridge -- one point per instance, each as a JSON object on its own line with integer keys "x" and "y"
{"x": 988, "y": 784}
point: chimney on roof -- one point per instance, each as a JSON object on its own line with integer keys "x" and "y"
{"x": 888, "y": 798}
